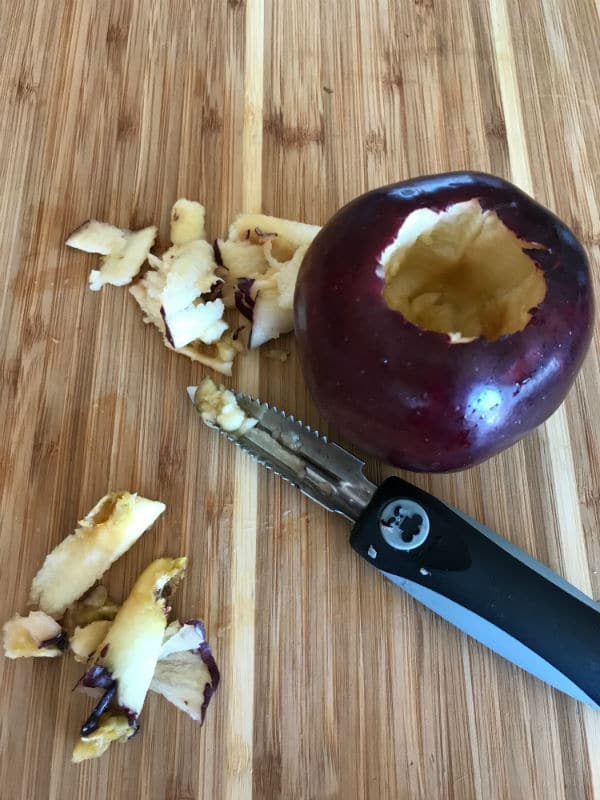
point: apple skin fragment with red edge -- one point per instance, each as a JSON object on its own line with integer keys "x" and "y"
{"x": 262, "y": 257}
{"x": 186, "y": 673}
{"x": 35, "y": 636}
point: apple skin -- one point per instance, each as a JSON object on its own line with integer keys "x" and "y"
{"x": 406, "y": 395}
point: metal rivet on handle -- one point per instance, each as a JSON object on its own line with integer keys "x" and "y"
{"x": 404, "y": 524}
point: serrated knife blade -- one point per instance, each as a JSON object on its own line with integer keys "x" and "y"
{"x": 325, "y": 472}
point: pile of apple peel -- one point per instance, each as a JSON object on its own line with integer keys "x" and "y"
{"x": 128, "y": 649}
{"x": 190, "y": 293}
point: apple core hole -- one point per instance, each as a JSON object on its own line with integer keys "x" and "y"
{"x": 463, "y": 272}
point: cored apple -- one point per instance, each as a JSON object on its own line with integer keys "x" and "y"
{"x": 441, "y": 319}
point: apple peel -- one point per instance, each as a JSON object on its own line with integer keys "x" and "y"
{"x": 114, "y": 524}
{"x": 186, "y": 673}
{"x": 35, "y": 636}
{"x": 111, "y": 728}
{"x": 122, "y": 252}
{"x": 262, "y": 256}
{"x": 125, "y": 660}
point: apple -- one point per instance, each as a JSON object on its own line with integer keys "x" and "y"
{"x": 441, "y": 319}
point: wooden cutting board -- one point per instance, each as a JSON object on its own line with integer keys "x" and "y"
{"x": 334, "y": 683}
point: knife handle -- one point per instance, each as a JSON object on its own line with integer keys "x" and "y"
{"x": 484, "y": 585}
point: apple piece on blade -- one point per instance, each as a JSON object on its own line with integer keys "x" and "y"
{"x": 219, "y": 408}
{"x": 122, "y": 252}
{"x": 441, "y": 319}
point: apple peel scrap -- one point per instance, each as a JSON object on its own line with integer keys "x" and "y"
{"x": 124, "y": 662}
{"x": 122, "y": 252}
{"x": 262, "y": 256}
{"x": 72, "y": 568}
{"x": 111, "y": 728}
{"x": 109, "y": 530}
{"x": 128, "y": 649}
{"x": 137, "y": 653}
{"x": 186, "y": 673}
{"x": 188, "y": 290}
{"x": 36, "y": 635}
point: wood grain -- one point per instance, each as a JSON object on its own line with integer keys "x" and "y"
{"x": 335, "y": 685}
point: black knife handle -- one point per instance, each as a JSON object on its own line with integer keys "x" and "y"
{"x": 484, "y": 585}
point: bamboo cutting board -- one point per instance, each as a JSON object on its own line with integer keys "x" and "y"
{"x": 334, "y": 684}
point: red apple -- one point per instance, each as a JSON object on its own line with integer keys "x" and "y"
{"x": 441, "y": 319}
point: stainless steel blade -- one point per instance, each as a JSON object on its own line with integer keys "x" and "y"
{"x": 322, "y": 470}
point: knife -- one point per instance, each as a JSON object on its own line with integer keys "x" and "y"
{"x": 454, "y": 565}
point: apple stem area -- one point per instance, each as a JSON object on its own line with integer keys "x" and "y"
{"x": 461, "y": 271}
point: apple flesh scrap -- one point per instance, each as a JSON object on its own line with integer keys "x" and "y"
{"x": 186, "y": 673}
{"x": 441, "y": 319}
{"x": 109, "y": 530}
{"x": 218, "y": 408}
{"x": 261, "y": 259}
{"x": 84, "y": 640}
{"x": 172, "y": 296}
{"x": 125, "y": 660}
{"x": 122, "y": 252}
{"x": 37, "y": 635}
{"x": 187, "y": 290}
{"x": 187, "y": 222}
{"x": 111, "y": 728}
{"x": 94, "y": 606}
{"x": 180, "y": 295}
